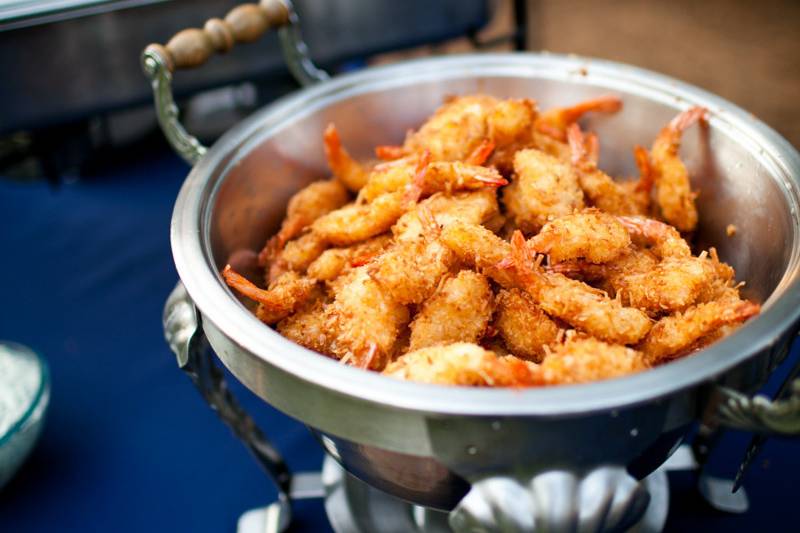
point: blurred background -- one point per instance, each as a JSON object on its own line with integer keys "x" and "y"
{"x": 87, "y": 184}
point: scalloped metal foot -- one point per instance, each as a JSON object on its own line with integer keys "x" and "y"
{"x": 605, "y": 499}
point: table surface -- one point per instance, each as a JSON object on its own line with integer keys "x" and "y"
{"x": 128, "y": 443}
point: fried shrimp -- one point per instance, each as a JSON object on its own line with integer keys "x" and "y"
{"x": 524, "y": 326}
{"x": 334, "y": 261}
{"x": 510, "y": 128}
{"x": 542, "y": 188}
{"x": 462, "y": 364}
{"x": 307, "y": 327}
{"x": 480, "y": 248}
{"x": 297, "y": 255}
{"x": 674, "y": 194}
{"x": 350, "y": 172}
{"x": 356, "y": 222}
{"x": 672, "y": 285}
{"x": 449, "y": 176}
{"x": 365, "y": 322}
{"x": 591, "y": 235}
{"x": 458, "y": 311}
{"x": 581, "y": 360}
{"x": 661, "y": 238}
{"x": 305, "y": 207}
{"x": 418, "y": 265}
{"x": 470, "y": 207}
{"x": 677, "y": 333}
{"x": 600, "y": 189}
{"x": 282, "y": 298}
{"x": 454, "y": 130}
{"x": 576, "y": 303}
{"x": 555, "y": 122}
{"x": 410, "y": 270}
{"x": 393, "y": 176}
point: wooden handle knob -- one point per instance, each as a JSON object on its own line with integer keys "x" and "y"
{"x": 243, "y": 24}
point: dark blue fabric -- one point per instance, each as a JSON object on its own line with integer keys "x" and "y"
{"x": 129, "y": 445}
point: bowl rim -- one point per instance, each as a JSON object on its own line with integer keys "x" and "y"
{"x": 190, "y": 239}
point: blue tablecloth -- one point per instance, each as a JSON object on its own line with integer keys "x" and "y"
{"x": 129, "y": 445}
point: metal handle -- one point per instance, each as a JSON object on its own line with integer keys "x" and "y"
{"x": 193, "y": 47}
{"x": 759, "y": 414}
{"x": 184, "y": 334}
{"x": 605, "y": 499}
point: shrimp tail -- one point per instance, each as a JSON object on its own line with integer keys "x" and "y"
{"x": 593, "y": 147}
{"x": 244, "y": 286}
{"x": 389, "y": 152}
{"x": 429, "y": 225}
{"x": 602, "y": 104}
{"x": 481, "y": 153}
{"x": 646, "y": 175}
{"x": 577, "y": 145}
{"x": 687, "y": 118}
{"x": 525, "y": 260}
{"x": 494, "y": 180}
{"x": 417, "y": 185}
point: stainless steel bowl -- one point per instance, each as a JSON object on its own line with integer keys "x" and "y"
{"x": 430, "y": 444}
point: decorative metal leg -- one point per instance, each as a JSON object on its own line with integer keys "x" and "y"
{"x": 605, "y": 499}
{"x": 184, "y": 334}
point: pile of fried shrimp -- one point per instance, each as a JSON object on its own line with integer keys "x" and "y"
{"x": 490, "y": 250}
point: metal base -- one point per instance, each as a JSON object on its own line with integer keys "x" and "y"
{"x": 355, "y": 507}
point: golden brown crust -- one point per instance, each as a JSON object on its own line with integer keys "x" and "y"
{"x": 426, "y": 237}
{"x": 458, "y": 311}
{"x": 581, "y": 360}
{"x": 524, "y": 326}
{"x": 542, "y": 188}
{"x": 462, "y": 364}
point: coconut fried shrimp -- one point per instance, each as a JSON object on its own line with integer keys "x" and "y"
{"x": 676, "y": 333}
{"x": 479, "y": 247}
{"x": 307, "y": 327}
{"x": 448, "y": 176}
{"x": 524, "y": 326}
{"x": 454, "y": 130}
{"x": 612, "y": 275}
{"x": 297, "y": 254}
{"x": 672, "y": 285}
{"x": 425, "y": 262}
{"x": 600, "y": 189}
{"x": 304, "y": 207}
{"x": 591, "y": 235}
{"x": 674, "y": 194}
{"x": 542, "y": 188}
{"x": 476, "y": 207}
{"x": 723, "y": 282}
{"x": 662, "y": 239}
{"x": 282, "y": 298}
{"x": 510, "y": 128}
{"x": 554, "y": 122}
{"x": 481, "y": 153}
{"x": 458, "y": 311}
{"x": 393, "y": 176}
{"x": 462, "y": 364}
{"x": 581, "y": 360}
{"x": 357, "y": 222}
{"x": 333, "y": 261}
{"x": 575, "y": 302}
{"x": 410, "y": 270}
{"x": 346, "y": 169}
{"x": 558, "y": 149}
{"x": 365, "y": 322}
